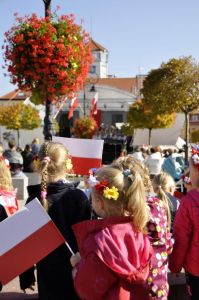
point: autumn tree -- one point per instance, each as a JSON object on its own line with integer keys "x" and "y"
{"x": 19, "y": 116}
{"x": 141, "y": 116}
{"x": 195, "y": 136}
{"x": 174, "y": 87}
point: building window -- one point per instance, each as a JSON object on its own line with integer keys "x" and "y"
{"x": 93, "y": 70}
{"x": 194, "y": 118}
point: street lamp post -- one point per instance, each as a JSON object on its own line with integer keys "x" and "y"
{"x": 48, "y": 124}
{"x": 90, "y": 81}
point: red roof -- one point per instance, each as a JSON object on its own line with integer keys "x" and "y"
{"x": 126, "y": 84}
{"x": 97, "y": 47}
{"x": 16, "y": 95}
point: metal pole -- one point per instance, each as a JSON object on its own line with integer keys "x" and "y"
{"x": 84, "y": 102}
{"x": 48, "y": 124}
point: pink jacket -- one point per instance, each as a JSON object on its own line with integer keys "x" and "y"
{"x": 113, "y": 258}
{"x": 186, "y": 234}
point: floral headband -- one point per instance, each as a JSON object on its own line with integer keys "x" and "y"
{"x": 108, "y": 192}
{"x": 195, "y": 156}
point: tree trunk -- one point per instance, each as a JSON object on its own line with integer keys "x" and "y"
{"x": 150, "y": 131}
{"x": 186, "y": 137}
{"x": 47, "y": 7}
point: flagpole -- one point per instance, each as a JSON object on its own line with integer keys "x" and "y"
{"x": 81, "y": 108}
{"x": 60, "y": 107}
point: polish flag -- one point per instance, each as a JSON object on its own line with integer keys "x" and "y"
{"x": 94, "y": 105}
{"x": 26, "y": 237}
{"x": 8, "y": 199}
{"x": 74, "y": 103}
{"x": 85, "y": 153}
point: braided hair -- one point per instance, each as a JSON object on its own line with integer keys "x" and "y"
{"x": 52, "y": 166}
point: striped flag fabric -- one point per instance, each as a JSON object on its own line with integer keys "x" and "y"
{"x": 8, "y": 199}
{"x": 94, "y": 105}
{"x": 26, "y": 237}
{"x": 74, "y": 103}
{"x": 85, "y": 153}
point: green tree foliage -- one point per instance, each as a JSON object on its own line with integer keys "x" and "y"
{"x": 19, "y": 116}
{"x": 174, "y": 87}
{"x": 195, "y": 136}
{"x": 142, "y": 116}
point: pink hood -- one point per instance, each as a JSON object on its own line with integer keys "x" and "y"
{"x": 114, "y": 240}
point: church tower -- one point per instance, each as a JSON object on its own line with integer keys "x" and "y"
{"x": 100, "y": 61}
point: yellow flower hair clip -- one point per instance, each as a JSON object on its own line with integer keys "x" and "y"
{"x": 107, "y": 192}
{"x": 111, "y": 193}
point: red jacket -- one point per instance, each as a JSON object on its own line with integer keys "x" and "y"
{"x": 186, "y": 234}
{"x": 113, "y": 258}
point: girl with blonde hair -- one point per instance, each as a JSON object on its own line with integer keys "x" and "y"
{"x": 114, "y": 250}
{"x": 66, "y": 206}
{"x": 8, "y": 196}
{"x": 158, "y": 232}
{"x": 164, "y": 187}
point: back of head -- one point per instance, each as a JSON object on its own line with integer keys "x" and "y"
{"x": 12, "y": 144}
{"x": 5, "y": 176}
{"x": 52, "y": 157}
{"x": 157, "y": 149}
{"x": 161, "y": 185}
{"x": 123, "y": 194}
{"x": 27, "y": 148}
{"x": 130, "y": 162}
{"x": 35, "y": 141}
{"x": 52, "y": 164}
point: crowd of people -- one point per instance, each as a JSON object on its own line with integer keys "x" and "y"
{"x": 126, "y": 233}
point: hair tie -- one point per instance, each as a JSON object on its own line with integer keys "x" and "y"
{"x": 126, "y": 173}
{"x": 43, "y": 194}
{"x": 46, "y": 158}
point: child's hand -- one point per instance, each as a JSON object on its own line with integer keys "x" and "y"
{"x": 75, "y": 259}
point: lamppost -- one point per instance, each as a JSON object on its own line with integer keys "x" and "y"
{"x": 90, "y": 81}
{"x": 48, "y": 124}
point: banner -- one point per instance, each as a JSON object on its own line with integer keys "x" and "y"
{"x": 85, "y": 153}
{"x": 26, "y": 237}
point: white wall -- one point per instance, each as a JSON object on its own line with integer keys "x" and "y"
{"x": 26, "y": 136}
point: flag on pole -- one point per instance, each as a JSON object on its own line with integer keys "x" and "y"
{"x": 59, "y": 106}
{"x": 26, "y": 237}
{"x": 85, "y": 153}
{"x": 74, "y": 103}
{"x": 94, "y": 105}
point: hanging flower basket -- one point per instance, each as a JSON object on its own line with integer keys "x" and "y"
{"x": 84, "y": 128}
{"x": 49, "y": 56}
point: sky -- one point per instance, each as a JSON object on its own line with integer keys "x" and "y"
{"x": 139, "y": 34}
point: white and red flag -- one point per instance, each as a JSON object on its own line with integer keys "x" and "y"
{"x": 94, "y": 102}
{"x": 8, "y": 199}
{"x": 74, "y": 103}
{"x": 85, "y": 153}
{"x": 26, "y": 237}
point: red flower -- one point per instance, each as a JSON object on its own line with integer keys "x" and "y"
{"x": 41, "y": 50}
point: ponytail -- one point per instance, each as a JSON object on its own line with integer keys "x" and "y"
{"x": 161, "y": 184}
{"x": 135, "y": 199}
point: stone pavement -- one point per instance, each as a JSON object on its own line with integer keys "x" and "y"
{"x": 11, "y": 291}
